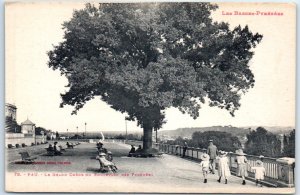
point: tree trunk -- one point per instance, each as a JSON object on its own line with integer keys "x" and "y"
{"x": 147, "y": 139}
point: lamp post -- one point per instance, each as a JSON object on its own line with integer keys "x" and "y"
{"x": 77, "y": 132}
{"x": 85, "y": 129}
{"x": 126, "y": 129}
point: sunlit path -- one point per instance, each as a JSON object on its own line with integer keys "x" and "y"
{"x": 170, "y": 171}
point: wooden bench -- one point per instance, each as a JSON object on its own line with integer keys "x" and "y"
{"x": 26, "y": 158}
{"x": 107, "y": 168}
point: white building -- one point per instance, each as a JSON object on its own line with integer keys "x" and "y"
{"x": 28, "y": 127}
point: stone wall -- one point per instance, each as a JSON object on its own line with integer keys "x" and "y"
{"x": 19, "y": 138}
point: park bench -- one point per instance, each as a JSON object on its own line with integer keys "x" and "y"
{"x": 61, "y": 148}
{"x": 26, "y": 158}
{"x": 107, "y": 168}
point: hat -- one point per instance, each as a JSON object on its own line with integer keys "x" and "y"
{"x": 210, "y": 140}
{"x": 109, "y": 152}
{"x": 102, "y": 154}
{"x": 258, "y": 163}
{"x": 55, "y": 142}
{"x": 240, "y": 152}
{"x": 223, "y": 153}
{"x": 261, "y": 156}
{"x": 205, "y": 157}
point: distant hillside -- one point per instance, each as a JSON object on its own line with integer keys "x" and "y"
{"x": 276, "y": 129}
{"x": 236, "y": 131}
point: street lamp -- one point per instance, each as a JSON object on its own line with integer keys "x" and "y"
{"x": 85, "y": 129}
{"x": 126, "y": 129}
{"x": 77, "y": 132}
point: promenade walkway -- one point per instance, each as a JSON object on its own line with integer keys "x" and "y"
{"x": 77, "y": 168}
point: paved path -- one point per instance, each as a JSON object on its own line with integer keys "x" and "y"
{"x": 167, "y": 173}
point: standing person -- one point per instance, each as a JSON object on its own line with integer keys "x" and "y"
{"x": 205, "y": 165}
{"x": 223, "y": 168}
{"x": 185, "y": 146}
{"x": 260, "y": 172}
{"x": 242, "y": 165}
{"x": 212, "y": 152}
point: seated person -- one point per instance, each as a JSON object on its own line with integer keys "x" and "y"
{"x": 56, "y": 149}
{"x": 50, "y": 148}
{"x": 139, "y": 149}
{"x": 102, "y": 150}
{"x": 99, "y": 145}
{"x": 69, "y": 145}
{"x": 106, "y": 163}
{"x": 109, "y": 156}
{"x": 132, "y": 151}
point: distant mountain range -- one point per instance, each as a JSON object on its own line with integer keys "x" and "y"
{"x": 236, "y": 131}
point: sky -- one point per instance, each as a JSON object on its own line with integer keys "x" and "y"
{"x": 31, "y": 29}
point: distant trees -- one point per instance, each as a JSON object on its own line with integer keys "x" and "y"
{"x": 38, "y": 131}
{"x": 289, "y": 144}
{"x": 223, "y": 140}
{"x": 262, "y": 142}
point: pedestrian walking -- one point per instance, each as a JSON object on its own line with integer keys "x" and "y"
{"x": 259, "y": 171}
{"x": 212, "y": 152}
{"x": 205, "y": 165}
{"x": 185, "y": 146}
{"x": 223, "y": 166}
{"x": 242, "y": 162}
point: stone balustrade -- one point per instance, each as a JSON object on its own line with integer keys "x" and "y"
{"x": 279, "y": 172}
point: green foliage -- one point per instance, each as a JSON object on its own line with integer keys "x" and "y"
{"x": 144, "y": 58}
{"x": 262, "y": 142}
{"x": 289, "y": 144}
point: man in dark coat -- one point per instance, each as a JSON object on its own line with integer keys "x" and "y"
{"x": 212, "y": 152}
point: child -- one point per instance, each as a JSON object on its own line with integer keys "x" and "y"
{"x": 205, "y": 165}
{"x": 223, "y": 168}
{"x": 242, "y": 165}
{"x": 260, "y": 172}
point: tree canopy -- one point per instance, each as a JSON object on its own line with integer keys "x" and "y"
{"x": 146, "y": 57}
{"x": 262, "y": 142}
{"x": 289, "y": 144}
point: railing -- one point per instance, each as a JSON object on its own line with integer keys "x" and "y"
{"x": 278, "y": 173}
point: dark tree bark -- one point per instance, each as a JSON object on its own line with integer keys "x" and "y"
{"x": 147, "y": 139}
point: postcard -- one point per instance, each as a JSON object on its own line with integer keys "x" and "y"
{"x": 150, "y": 97}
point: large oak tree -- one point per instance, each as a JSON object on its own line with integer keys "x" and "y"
{"x": 144, "y": 58}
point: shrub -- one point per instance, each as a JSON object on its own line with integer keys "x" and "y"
{"x": 17, "y": 145}
{"x": 23, "y": 145}
{"x": 10, "y": 146}
{"x": 37, "y": 143}
{"x": 32, "y": 144}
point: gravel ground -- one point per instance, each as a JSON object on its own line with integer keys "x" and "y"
{"x": 169, "y": 173}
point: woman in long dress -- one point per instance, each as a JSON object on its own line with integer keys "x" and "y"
{"x": 242, "y": 163}
{"x": 223, "y": 168}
